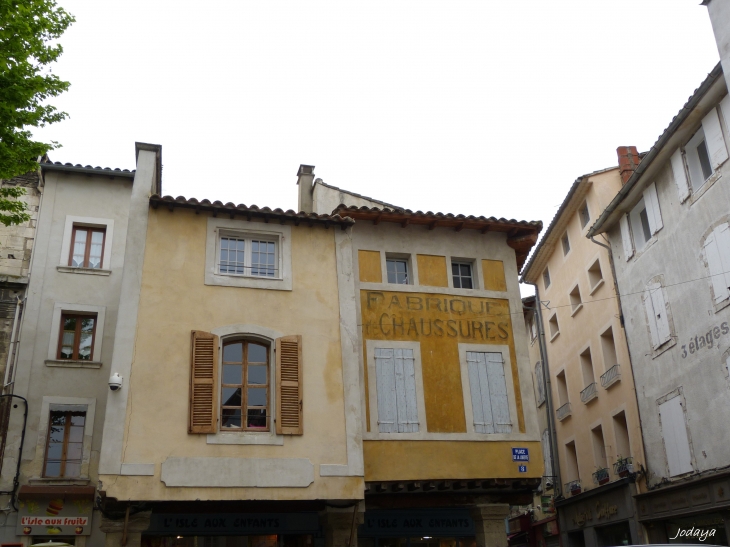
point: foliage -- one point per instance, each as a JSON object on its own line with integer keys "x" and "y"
{"x": 27, "y": 31}
{"x": 13, "y": 211}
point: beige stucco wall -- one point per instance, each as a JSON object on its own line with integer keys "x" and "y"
{"x": 582, "y": 330}
{"x": 174, "y": 300}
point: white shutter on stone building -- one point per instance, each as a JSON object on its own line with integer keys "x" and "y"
{"x": 680, "y": 175}
{"x": 713, "y": 138}
{"x": 676, "y": 441}
{"x": 717, "y": 251}
{"x": 626, "y": 236}
{"x": 652, "y": 209}
{"x": 656, "y": 312}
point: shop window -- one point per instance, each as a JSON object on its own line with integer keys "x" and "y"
{"x": 488, "y": 388}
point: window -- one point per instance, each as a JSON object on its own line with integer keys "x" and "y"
{"x": 676, "y": 440}
{"x": 539, "y": 383}
{"x": 644, "y": 220}
{"x": 566, "y": 244}
{"x": 65, "y": 444}
{"x": 575, "y": 301}
{"x": 698, "y": 160}
{"x": 584, "y": 215}
{"x": 546, "y": 278}
{"x": 595, "y": 275}
{"x": 245, "y": 387}
{"x": 77, "y": 337}
{"x": 87, "y": 247}
{"x": 396, "y": 385}
{"x": 462, "y": 274}
{"x": 562, "y": 388}
{"x": 248, "y": 256}
{"x": 717, "y": 253}
{"x": 599, "y": 448}
{"x": 488, "y": 388}
{"x": 656, "y": 314}
{"x": 621, "y": 428}
{"x": 397, "y": 271}
{"x": 571, "y": 462}
{"x": 586, "y": 366}
{"x": 608, "y": 348}
{"x": 554, "y": 327}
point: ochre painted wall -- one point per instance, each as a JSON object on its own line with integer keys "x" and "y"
{"x": 418, "y": 460}
{"x": 439, "y": 323}
{"x": 432, "y": 271}
{"x": 494, "y": 275}
{"x": 369, "y": 262}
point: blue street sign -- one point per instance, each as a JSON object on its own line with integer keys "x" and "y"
{"x": 520, "y": 455}
{"x": 523, "y": 468}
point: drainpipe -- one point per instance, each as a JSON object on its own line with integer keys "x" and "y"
{"x": 552, "y": 433}
{"x": 615, "y": 280}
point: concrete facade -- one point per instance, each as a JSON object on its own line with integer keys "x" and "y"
{"x": 676, "y": 318}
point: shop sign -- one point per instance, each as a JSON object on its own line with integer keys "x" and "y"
{"x": 441, "y": 523}
{"x": 520, "y": 455}
{"x": 240, "y": 524}
{"x": 609, "y": 507}
{"x": 54, "y": 517}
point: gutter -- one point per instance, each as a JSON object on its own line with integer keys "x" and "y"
{"x": 87, "y": 170}
{"x": 678, "y": 120}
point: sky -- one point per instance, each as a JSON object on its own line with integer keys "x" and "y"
{"x": 483, "y": 108}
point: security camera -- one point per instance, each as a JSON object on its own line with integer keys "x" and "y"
{"x": 115, "y": 382}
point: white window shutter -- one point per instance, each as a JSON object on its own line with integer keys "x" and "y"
{"x": 405, "y": 389}
{"x": 725, "y": 109}
{"x": 676, "y": 441}
{"x": 714, "y": 139}
{"x": 498, "y": 393}
{"x": 680, "y": 175}
{"x": 652, "y": 209}
{"x": 385, "y": 380}
{"x": 717, "y": 251}
{"x": 651, "y": 318}
{"x": 660, "y": 312}
{"x": 479, "y": 387}
{"x": 626, "y": 237}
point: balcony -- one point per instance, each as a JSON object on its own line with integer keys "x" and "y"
{"x": 589, "y": 393}
{"x": 573, "y": 487}
{"x": 624, "y": 467}
{"x": 601, "y": 476}
{"x": 563, "y": 412}
{"x": 611, "y": 376}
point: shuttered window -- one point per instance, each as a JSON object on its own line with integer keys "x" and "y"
{"x": 676, "y": 440}
{"x": 626, "y": 237}
{"x": 245, "y": 386}
{"x": 654, "y": 215}
{"x": 203, "y": 383}
{"x": 488, "y": 392}
{"x": 717, "y": 251}
{"x": 289, "y": 401}
{"x": 680, "y": 175}
{"x": 396, "y": 386}
{"x": 656, "y": 313}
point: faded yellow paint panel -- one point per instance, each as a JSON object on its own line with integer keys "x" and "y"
{"x": 439, "y": 322}
{"x": 433, "y": 460}
{"x": 494, "y": 275}
{"x": 370, "y": 271}
{"x": 432, "y": 271}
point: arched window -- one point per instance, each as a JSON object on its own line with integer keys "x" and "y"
{"x": 245, "y": 392}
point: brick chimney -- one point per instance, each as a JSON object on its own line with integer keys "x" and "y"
{"x": 628, "y": 161}
{"x": 305, "y": 177}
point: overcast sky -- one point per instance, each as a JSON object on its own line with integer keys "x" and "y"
{"x": 483, "y": 108}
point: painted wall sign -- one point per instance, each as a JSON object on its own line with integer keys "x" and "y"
{"x": 706, "y": 340}
{"x": 233, "y": 523}
{"x": 520, "y": 455}
{"x": 440, "y": 523}
{"x": 54, "y": 517}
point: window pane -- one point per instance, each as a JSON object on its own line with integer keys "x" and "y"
{"x": 263, "y": 261}
{"x": 69, "y": 323}
{"x": 231, "y": 396}
{"x": 256, "y": 353}
{"x": 232, "y": 255}
{"x": 231, "y": 417}
{"x": 74, "y": 451}
{"x": 55, "y": 451}
{"x": 454, "y": 269}
{"x": 85, "y": 340}
{"x": 87, "y": 324}
{"x": 466, "y": 283}
{"x": 397, "y": 271}
{"x": 76, "y": 434}
{"x": 256, "y": 418}
{"x": 79, "y": 249}
{"x": 256, "y": 396}
{"x": 465, "y": 270}
{"x": 233, "y": 353}
{"x": 704, "y": 160}
{"x": 78, "y": 418}
{"x": 257, "y": 374}
{"x": 53, "y": 469}
{"x": 73, "y": 469}
{"x": 232, "y": 374}
{"x": 97, "y": 240}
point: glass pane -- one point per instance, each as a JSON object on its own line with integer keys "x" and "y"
{"x": 85, "y": 340}
{"x": 232, "y": 374}
{"x": 704, "y": 160}
{"x": 256, "y": 353}
{"x": 74, "y": 451}
{"x": 66, "y": 352}
{"x": 257, "y": 374}
{"x": 256, "y": 417}
{"x": 87, "y": 324}
{"x": 53, "y": 469}
{"x": 233, "y": 353}
{"x": 465, "y": 270}
{"x": 400, "y": 266}
{"x": 231, "y": 417}
{"x": 455, "y": 269}
{"x": 73, "y": 469}
{"x": 76, "y": 434}
{"x": 55, "y": 435}
{"x": 97, "y": 240}
{"x": 79, "y": 249}
{"x": 645, "y": 225}
{"x": 231, "y": 396}
{"x": 466, "y": 283}
{"x": 69, "y": 323}
{"x": 78, "y": 418}
{"x": 232, "y": 256}
{"x": 55, "y": 451}
{"x": 256, "y": 396}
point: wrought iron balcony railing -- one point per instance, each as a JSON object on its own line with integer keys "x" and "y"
{"x": 563, "y": 412}
{"x": 589, "y": 393}
{"x": 611, "y": 376}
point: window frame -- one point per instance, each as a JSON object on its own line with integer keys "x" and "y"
{"x": 722, "y": 300}
{"x": 280, "y": 234}
{"x": 77, "y": 335}
{"x": 248, "y": 240}
{"x": 61, "y": 308}
{"x": 64, "y": 450}
{"x": 87, "y": 247}
{"x": 245, "y": 407}
{"x": 71, "y": 223}
{"x": 636, "y": 222}
{"x": 693, "y": 158}
{"x": 398, "y": 260}
{"x": 546, "y": 278}
{"x": 565, "y": 243}
{"x": 584, "y": 215}
{"x": 472, "y": 276}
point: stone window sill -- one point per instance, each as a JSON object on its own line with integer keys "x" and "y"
{"x": 240, "y": 437}
{"x": 70, "y": 363}
{"x": 86, "y": 271}
{"x": 596, "y": 287}
{"x": 60, "y": 481}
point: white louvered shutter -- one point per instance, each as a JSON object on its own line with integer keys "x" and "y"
{"x": 385, "y": 380}
{"x": 676, "y": 441}
{"x": 714, "y": 139}
{"x": 405, "y": 390}
{"x": 725, "y": 109}
{"x": 498, "y": 393}
{"x": 479, "y": 387}
{"x": 652, "y": 209}
{"x": 626, "y": 236}
{"x": 680, "y": 175}
{"x": 656, "y": 310}
{"x": 651, "y": 318}
{"x": 717, "y": 251}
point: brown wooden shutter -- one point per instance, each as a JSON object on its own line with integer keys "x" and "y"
{"x": 289, "y": 385}
{"x": 203, "y": 383}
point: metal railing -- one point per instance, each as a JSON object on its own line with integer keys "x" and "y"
{"x": 573, "y": 487}
{"x": 589, "y": 393}
{"x": 563, "y": 412}
{"x": 611, "y": 376}
{"x": 601, "y": 476}
{"x": 624, "y": 466}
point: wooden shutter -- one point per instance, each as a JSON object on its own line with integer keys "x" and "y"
{"x": 626, "y": 236}
{"x": 680, "y": 175}
{"x": 717, "y": 251}
{"x": 289, "y": 404}
{"x": 203, "y": 383}
{"x": 714, "y": 140}
{"x": 652, "y": 209}
{"x": 676, "y": 441}
{"x": 498, "y": 393}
